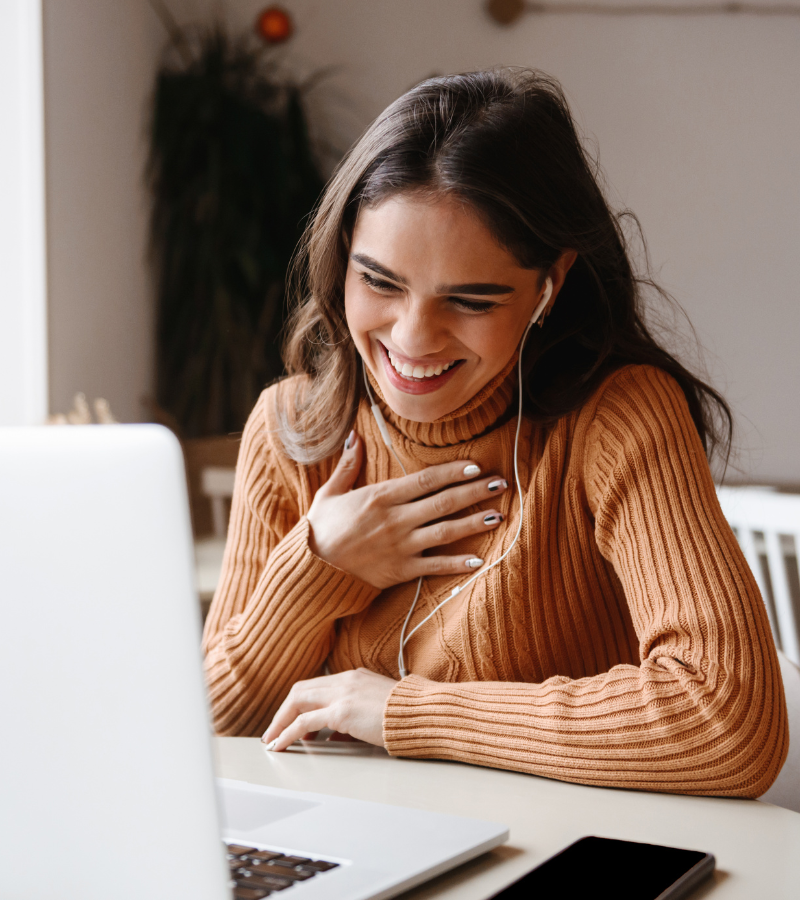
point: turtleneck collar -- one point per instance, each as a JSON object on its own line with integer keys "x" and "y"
{"x": 463, "y": 424}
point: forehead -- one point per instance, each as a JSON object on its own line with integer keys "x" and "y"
{"x": 437, "y": 238}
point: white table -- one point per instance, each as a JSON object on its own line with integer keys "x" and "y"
{"x": 757, "y": 845}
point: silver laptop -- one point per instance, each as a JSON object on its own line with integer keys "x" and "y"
{"x": 105, "y": 757}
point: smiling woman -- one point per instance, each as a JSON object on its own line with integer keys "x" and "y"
{"x": 418, "y": 260}
{"x": 595, "y": 623}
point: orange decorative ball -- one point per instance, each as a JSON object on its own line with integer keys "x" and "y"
{"x": 275, "y": 25}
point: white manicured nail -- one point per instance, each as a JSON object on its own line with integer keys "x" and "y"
{"x": 475, "y": 563}
{"x": 271, "y": 745}
{"x": 471, "y": 470}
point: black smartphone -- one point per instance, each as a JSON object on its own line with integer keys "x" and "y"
{"x": 597, "y": 868}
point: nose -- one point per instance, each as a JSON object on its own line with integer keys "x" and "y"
{"x": 418, "y": 331}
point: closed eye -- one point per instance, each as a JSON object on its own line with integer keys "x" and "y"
{"x": 473, "y": 305}
{"x": 377, "y": 284}
{"x": 386, "y": 287}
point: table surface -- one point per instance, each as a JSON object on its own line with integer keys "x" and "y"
{"x": 757, "y": 846}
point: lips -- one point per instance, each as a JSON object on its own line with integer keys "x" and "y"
{"x": 417, "y": 378}
{"x": 409, "y": 371}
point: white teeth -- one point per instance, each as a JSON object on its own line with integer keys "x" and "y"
{"x": 409, "y": 371}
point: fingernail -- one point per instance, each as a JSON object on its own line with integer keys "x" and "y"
{"x": 497, "y": 485}
{"x": 492, "y": 519}
{"x": 475, "y": 563}
{"x": 472, "y": 470}
{"x": 350, "y": 439}
{"x": 271, "y": 745}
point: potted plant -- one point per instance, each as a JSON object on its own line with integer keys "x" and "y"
{"x": 233, "y": 177}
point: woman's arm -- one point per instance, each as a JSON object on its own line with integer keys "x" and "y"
{"x": 273, "y": 617}
{"x": 704, "y": 711}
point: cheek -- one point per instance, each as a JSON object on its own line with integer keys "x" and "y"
{"x": 493, "y": 342}
{"x": 362, "y": 312}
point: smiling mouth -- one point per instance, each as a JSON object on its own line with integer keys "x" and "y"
{"x": 419, "y": 377}
{"x": 419, "y": 372}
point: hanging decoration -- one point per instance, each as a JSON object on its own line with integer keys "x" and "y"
{"x": 274, "y": 25}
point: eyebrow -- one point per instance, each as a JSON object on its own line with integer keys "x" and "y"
{"x": 375, "y": 266}
{"x": 475, "y": 288}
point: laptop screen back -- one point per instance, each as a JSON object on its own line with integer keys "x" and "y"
{"x": 105, "y": 759}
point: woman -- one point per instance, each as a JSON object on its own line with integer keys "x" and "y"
{"x": 555, "y": 592}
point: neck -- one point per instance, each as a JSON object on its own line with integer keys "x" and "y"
{"x": 478, "y": 415}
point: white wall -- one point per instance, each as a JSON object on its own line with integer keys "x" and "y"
{"x": 697, "y": 120}
{"x": 23, "y": 325}
{"x": 100, "y": 59}
{"x": 698, "y": 124}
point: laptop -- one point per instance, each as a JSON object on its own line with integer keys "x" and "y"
{"x": 105, "y": 759}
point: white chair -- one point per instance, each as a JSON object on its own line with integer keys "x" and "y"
{"x": 767, "y": 526}
{"x": 216, "y": 483}
{"x": 786, "y": 790}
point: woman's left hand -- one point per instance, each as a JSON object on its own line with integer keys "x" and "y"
{"x": 349, "y": 702}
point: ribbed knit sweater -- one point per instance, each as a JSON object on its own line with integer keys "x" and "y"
{"x": 622, "y": 642}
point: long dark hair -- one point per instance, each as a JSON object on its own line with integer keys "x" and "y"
{"x": 504, "y": 142}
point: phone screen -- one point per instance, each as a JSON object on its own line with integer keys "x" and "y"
{"x": 597, "y": 868}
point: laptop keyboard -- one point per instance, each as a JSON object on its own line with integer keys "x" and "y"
{"x": 259, "y": 873}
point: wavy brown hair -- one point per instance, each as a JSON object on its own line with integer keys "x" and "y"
{"x": 504, "y": 142}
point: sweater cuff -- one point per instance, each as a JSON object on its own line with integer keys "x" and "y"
{"x": 412, "y": 717}
{"x": 322, "y": 580}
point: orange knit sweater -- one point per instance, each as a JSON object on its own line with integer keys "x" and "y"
{"x": 623, "y": 642}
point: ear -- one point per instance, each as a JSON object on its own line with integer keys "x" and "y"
{"x": 557, "y": 273}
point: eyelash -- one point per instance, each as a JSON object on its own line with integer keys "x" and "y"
{"x": 384, "y": 287}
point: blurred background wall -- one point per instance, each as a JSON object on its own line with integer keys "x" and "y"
{"x": 99, "y": 65}
{"x": 697, "y": 122}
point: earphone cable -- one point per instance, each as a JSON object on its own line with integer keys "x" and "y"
{"x": 457, "y": 590}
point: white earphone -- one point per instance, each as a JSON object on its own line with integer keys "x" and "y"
{"x": 382, "y": 427}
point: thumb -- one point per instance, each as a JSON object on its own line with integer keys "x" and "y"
{"x": 344, "y": 475}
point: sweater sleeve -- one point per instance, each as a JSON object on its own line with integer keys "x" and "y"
{"x": 273, "y": 618}
{"x": 704, "y": 711}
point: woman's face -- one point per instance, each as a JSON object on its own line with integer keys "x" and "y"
{"x": 435, "y": 305}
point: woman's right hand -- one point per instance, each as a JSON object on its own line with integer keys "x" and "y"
{"x": 380, "y": 532}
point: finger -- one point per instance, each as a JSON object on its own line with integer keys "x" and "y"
{"x": 314, "y": 720}
{"x": 443, "y": 565}
{"x": 433, "y": 479}
{"x": 344, "y": 475}
{"x": 301, "y": 698}
{"x": 441, "y": 533}
{"x": 454, "y": 499}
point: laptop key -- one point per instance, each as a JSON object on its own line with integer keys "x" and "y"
{"x": 246, "y": 893}
{"x": 320, "y": 865}
{"x": 292, "y": 860}
{"x": 239, "y": 849}
{"x": 273, "y": 869}
{"x": 262, "y": 882}
{"x": 263, "y": 855}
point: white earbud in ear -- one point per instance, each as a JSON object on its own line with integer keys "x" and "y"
{"x": 546, "y": 295}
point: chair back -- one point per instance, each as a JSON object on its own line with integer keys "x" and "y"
{"x": 786, "y": 789}
{"x": 767, "y": 526}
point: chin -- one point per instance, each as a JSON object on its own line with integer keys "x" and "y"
{"x": 418, "y": 409}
